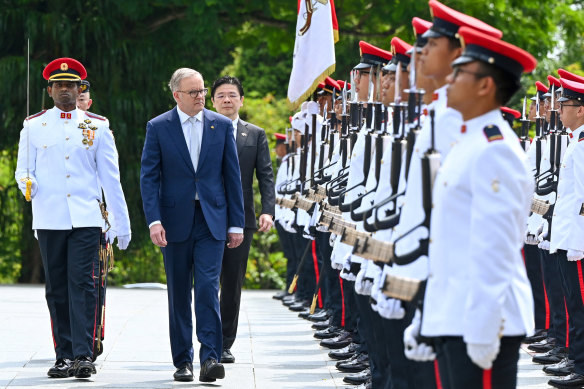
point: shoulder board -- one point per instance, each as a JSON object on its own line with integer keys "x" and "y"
{"x": 492, "y": 133}
{"x": 95, "y": 116}
{"x": 36, "y": 114}
{"x": 581, "y": 136}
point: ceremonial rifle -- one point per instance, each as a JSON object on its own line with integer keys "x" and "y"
{"x": 525, "y": 124}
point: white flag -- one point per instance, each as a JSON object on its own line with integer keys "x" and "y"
{"x": 314, "y": 49}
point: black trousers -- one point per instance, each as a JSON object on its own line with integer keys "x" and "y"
{"x": 331, "y": 286}
{"x": 534, "y": 274}
{"x": 70, "y": 263}
{"x": 233, "y": 270}
{"x": 573, "y": 276}
{"x": 307, "y": 276}
{"x": 461, "y": 373}
{"x": 554, "y": 286}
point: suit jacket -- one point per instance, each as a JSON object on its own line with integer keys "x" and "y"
{"x": 254, "y": 154}
{"x": 168, "y": 180}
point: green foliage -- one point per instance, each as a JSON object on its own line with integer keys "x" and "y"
{"x": 131, "y": 48}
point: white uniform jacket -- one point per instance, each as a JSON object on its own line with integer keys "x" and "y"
{"x": 69, "y": 172}
{"x": 477, "y": 285}
{"x": 567, "y": 224}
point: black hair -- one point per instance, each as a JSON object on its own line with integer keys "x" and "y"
{"x": 227, "y": 80}
{"x": 453, "y": 43}
{"x": 507, "y": 84}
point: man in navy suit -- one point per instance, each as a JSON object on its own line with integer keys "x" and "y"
{"x": 192, "y": 198}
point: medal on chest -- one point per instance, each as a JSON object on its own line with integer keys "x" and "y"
{"x": 88, "y": 132}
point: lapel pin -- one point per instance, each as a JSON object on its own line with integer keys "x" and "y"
{"x": 44, "y": 124}
{"x": 212, "y": 127}
{"x": 244, "y": 134}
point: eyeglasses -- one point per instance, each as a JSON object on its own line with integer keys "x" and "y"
{"x": 562, "y": 105}
{"x": 195, "y": 93}
{"x": 458, "y": 70}
{"x": 361, "y": 73}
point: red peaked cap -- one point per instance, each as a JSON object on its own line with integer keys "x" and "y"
{"x": 570, "y": 76}
{"x": 516, "y": 114}
{"x": 447, "y": 21}
{"x": 482, "y": 47}
{"x": 342, "y": 84}
{"x": 572, "y": 90}
{"x": 401, "y": 53}
{"x": 280, "y": 136}
{"x": 554, "y": 81}
{"x": 64, "y": 69}
{"x": 372, "y": 56}
{"x": 420, "y": 27}
{"x": 541, "y": 87}
{"x": 328, "y": 84}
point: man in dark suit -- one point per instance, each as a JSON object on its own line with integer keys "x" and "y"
{"x": 191, "y": 190}
{"x": 254, "y": 154}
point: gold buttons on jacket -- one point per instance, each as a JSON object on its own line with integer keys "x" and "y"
{"x": 68, "y": 195}
{"x": 66, "y": 157}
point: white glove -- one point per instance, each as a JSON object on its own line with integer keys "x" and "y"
{"x": 483, "y": 355}
{"x": 414, "y": 351}
{"x": 33, "y": 188}
{"x": 389, "y": 308}
{"x": 346, "y": 272}
{"x": 376, "y": 292}
{"x": 110, "y": 235}
{"x": 124, "y": 241}
{"x": 575, "y": 255}
{"x": 531, "y": 239}
{"x": 544, "y": 244}
{"x": 288, "y": 226}
{"x": 362, "y": 283}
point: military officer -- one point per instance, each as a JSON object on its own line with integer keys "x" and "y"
{"x": 567, "y": 235}
{"x": 64, "y": 155}
{"x": 478, "y": 303}
{"x": 84, "y": 99}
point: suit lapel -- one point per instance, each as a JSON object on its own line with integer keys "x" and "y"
{"x": 209, "y": 134}
{"x": 175, "y": 132}
{"x": 241, "y": 138}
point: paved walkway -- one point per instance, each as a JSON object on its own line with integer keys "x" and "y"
{"x": 275, "y": 349}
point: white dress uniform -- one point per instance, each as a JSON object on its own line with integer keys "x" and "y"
{"x": 567, "y": 224}
{"x": 70, "y": 173}
{"x": 478, "y": 287}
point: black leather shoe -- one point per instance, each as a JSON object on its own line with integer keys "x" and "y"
{"x": 560, "y": 369}
{"x": 83, "y": 367}
{"x": 343, "y": 340}
{"x": 184, "y": 373}
{"x": 358, "y": 364}
{"x": 327, "y": 333}
{"x": 555, "y": 355}
{"x": 359, "y": 378}
{"x": 304, "y": 314}
{"x": 573, "y": 380}
{"x": 538, "y": 336}
{"x": 227, "y": 357}
{"x": 211, "y": 370}
{"x": 299, "y": 306}
{"x": 365, "y": 385}
{"x": 544, "y": 346}
{"x": 63, "y": 368}
{"x": 345, "y": 352}
{"x": 319, "y": 316}
{"x": 289, "y": 300}
{"x": 321, "y": 325}
{"x": 280, "y": 295}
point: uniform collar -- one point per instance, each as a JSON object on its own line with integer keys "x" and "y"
{"x": 70, "y": 115}
{"x": 480, "y": 122}
{"x": 577, "y": 131}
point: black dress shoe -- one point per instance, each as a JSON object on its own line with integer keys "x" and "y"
{"x": 321, "y": 325}
{"x": 359, "y": 378}
{"x": 365, "y": 385}
{"x": 280, "y": 295}
{"x": 343, "y": 340}
{"x": 544, "y": 346}
{"x": 211, "y": 370}
{"x": 304, "y": 314}
{"x": 227, "y": 357}
{"x": 288, "y": 302}
{"x": 319, "y": 316}
{"x": 345, "y": 352}
{"x": 354, "y": 366}
{"x": 327, "y": 333}
{"x": 184, "y": 373}
{"x": 63, "y": 368}
{"x": 555, "y": 355}
{"x": 573, "y": 380}
{"x": 538, "y": 336}
{"x": 560, "y": 369}
{"x": 299, "y": 306}
{"x": 83, "y": 367}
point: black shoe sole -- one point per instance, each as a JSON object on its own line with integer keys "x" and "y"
{"x": 217, "y": 372}
{"x": 227, "y": 360}
{"x": 355, "y": 381}
{"x": 84, "y": 372}
{"x": 60, "y": 374}
{"x": 184, "y": 379}
{"x": 340, "y": 357}
{"x": 352, "y": 370}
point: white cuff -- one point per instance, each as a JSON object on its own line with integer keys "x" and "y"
{"x": 235, "y": 230}
{"x": 154, "y": 223}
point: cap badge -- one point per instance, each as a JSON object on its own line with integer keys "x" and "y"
{"x": 64, "y": 66}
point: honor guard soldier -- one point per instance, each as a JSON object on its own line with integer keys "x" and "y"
{"x": 84, "y": 99}
{"x": 478, "y": 304}
{"x": 567, "y": 232}
{"x": 65, "y": 157}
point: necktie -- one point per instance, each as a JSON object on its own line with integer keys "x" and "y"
{"x": 195, "y": 146}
